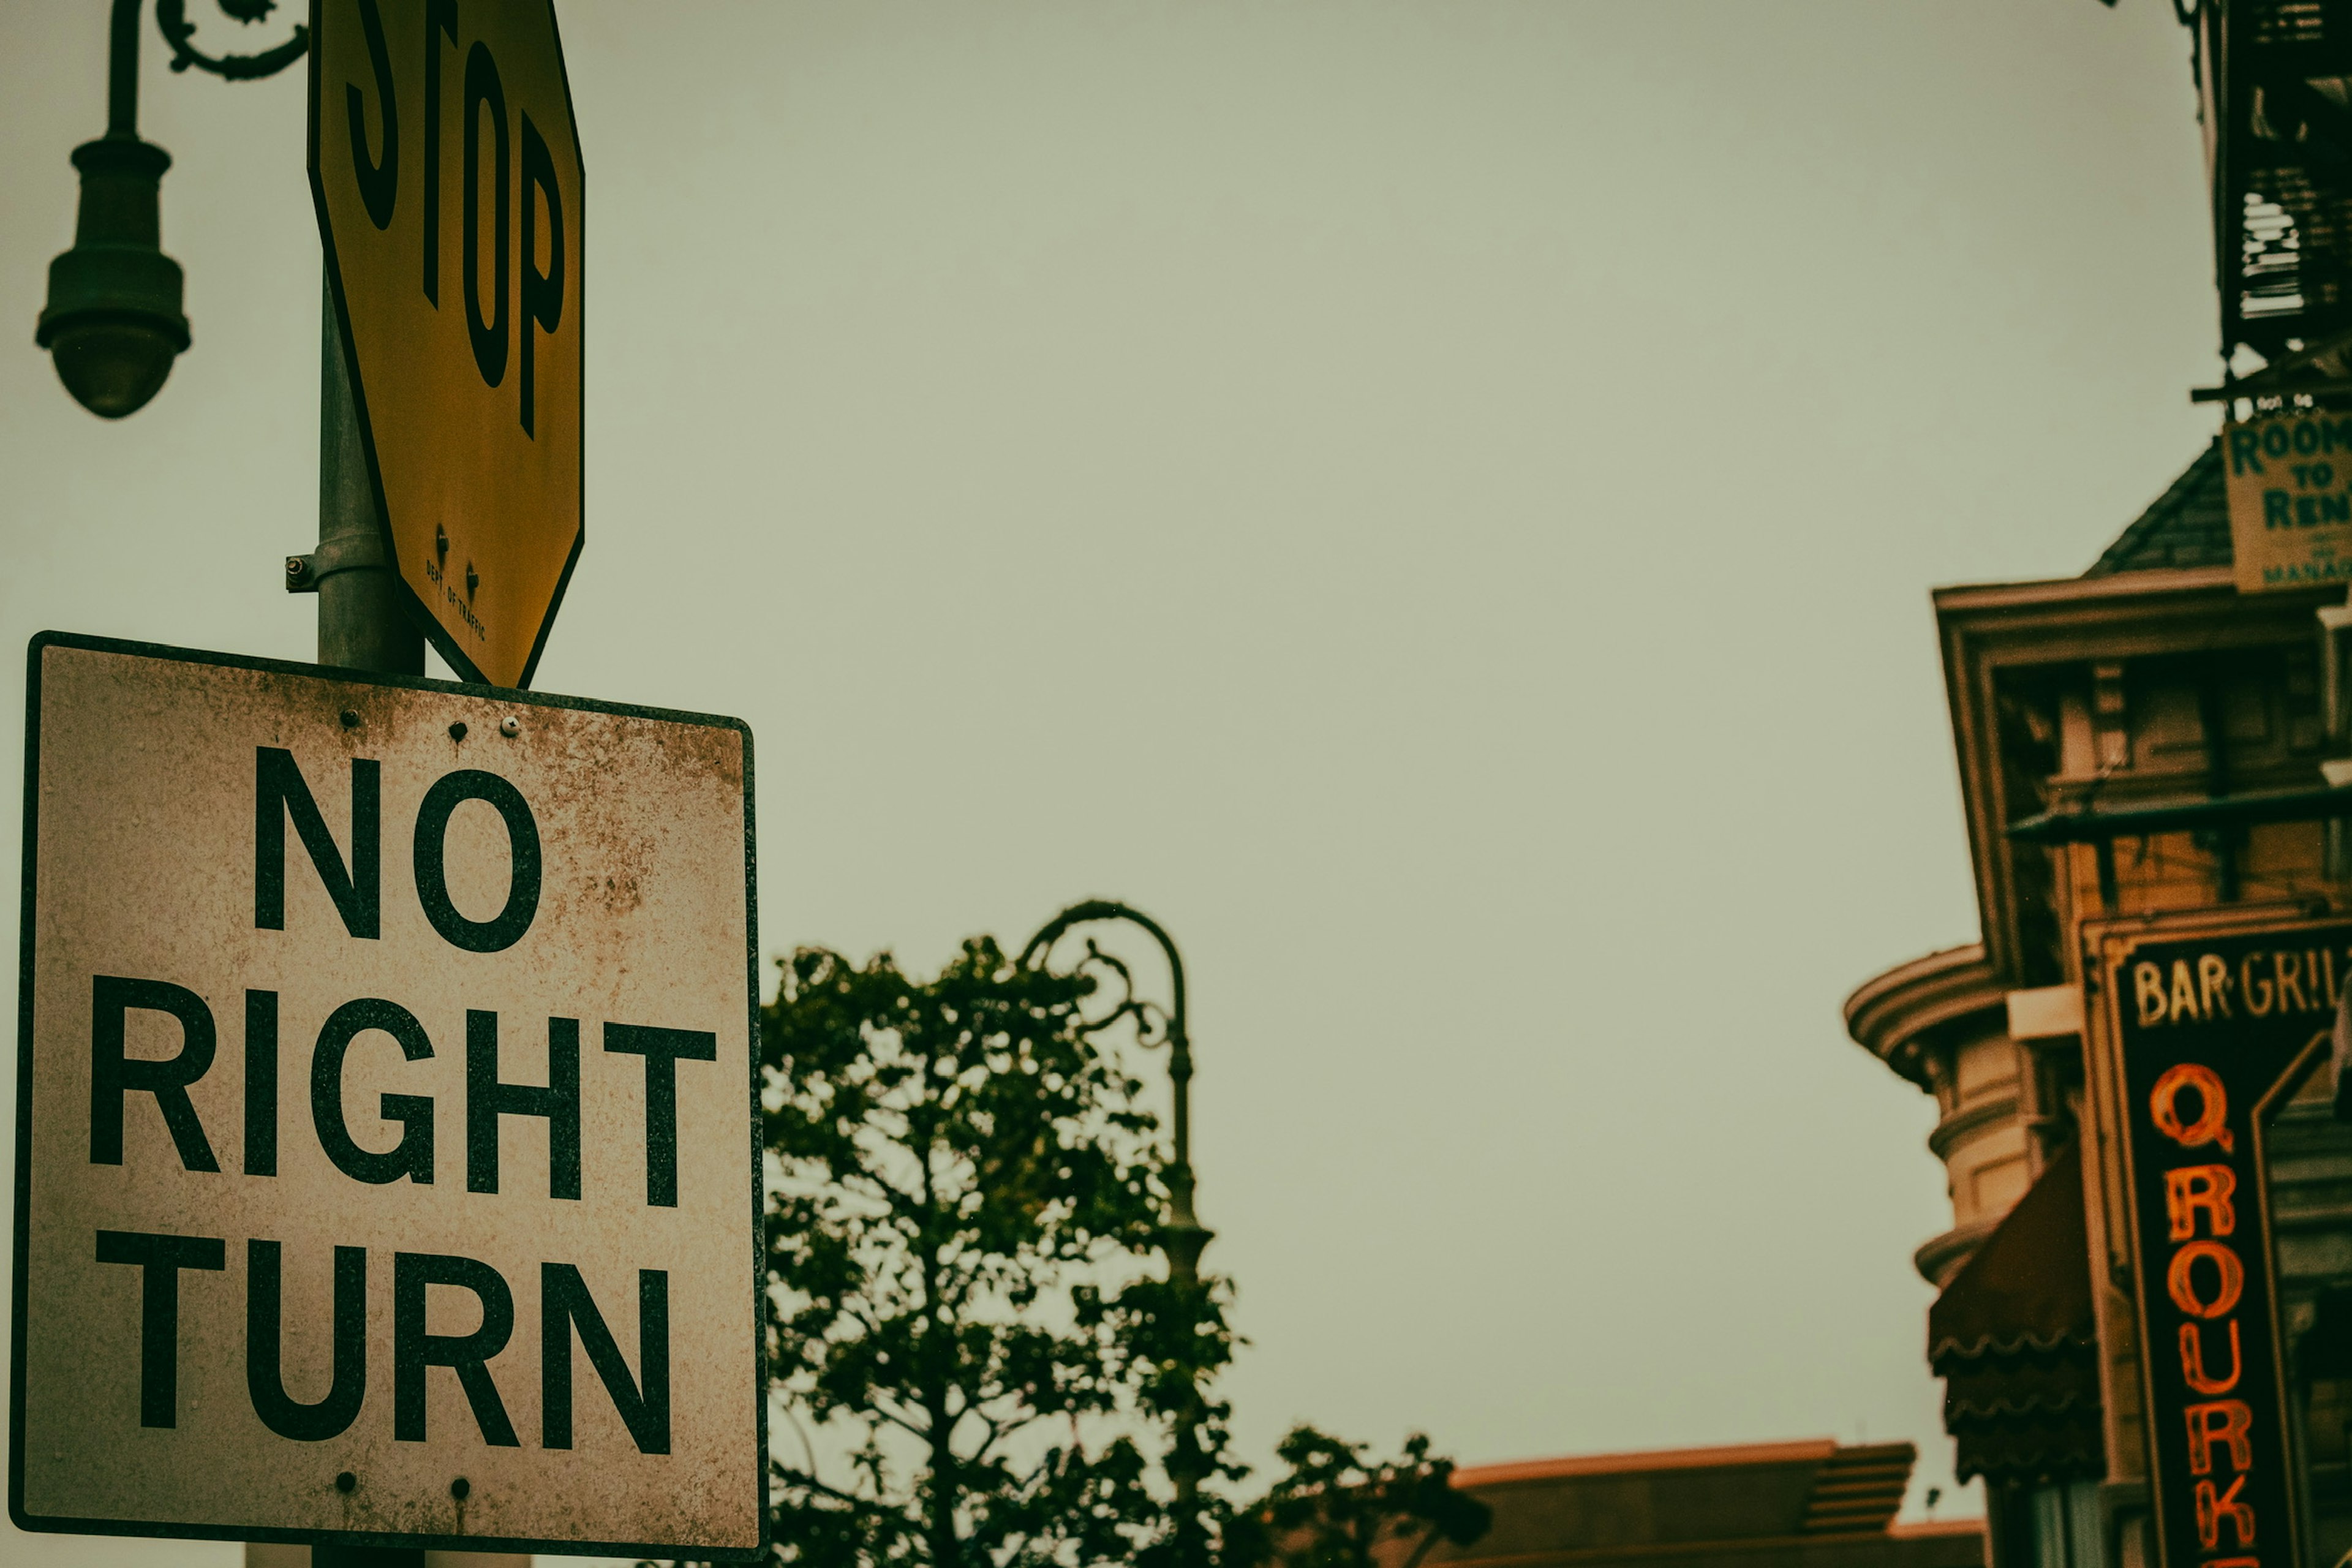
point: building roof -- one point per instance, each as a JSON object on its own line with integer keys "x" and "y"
{"x": 1818, "y": 1504}
{"x": 2188, "y": 525}
{"x": 1648, "y": 1461}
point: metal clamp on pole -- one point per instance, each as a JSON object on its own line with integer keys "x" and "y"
{"x": 344, "y": 552}
{"x": 362, "y": 623}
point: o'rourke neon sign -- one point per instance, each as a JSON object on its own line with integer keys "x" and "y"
{"x": 2209, "y": 1035}
{"x": 2207, "y": 1193}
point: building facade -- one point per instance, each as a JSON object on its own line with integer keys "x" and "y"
{"x": 2141, "y": 748}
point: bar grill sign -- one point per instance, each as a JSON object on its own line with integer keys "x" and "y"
{"x": 2211, "y": 1036}
{"x": 386, "y": 1165}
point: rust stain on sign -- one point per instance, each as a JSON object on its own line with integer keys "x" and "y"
{"x": 387, "y": 1105}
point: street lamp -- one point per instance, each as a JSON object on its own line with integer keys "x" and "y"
{"x": 1183, "y": 1237}
{"x": 113, "y": 323}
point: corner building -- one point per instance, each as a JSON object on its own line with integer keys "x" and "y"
{"x": 2140, "y": 748}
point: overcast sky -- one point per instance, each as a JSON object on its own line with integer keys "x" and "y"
{"x": 1434, "y": 502}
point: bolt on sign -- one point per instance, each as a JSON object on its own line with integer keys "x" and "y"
{"x": 386, "y": 1160}
{"x": 446, "y": 170}
{"x": 2207, "y": 1035}
{"x": 2289, "y": 482}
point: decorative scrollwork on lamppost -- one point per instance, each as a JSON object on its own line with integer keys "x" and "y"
{"x": 172, "y": 19}
{"x": 1183, "y": 1237}
{"x": 113, "y": 323}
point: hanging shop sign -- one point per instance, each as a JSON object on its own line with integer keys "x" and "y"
{"x": 2289, "y": 481}
{"x": 387, "y": 1166}
{"x": 444, "y": 165}
{"x": 2207, "y": 1036}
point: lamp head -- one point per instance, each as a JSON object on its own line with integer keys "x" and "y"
{"x": 113, "y": 323}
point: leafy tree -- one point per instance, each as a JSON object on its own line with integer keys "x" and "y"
{"x": 965, "y": 1201}
{"x": 1336, "y": 1509}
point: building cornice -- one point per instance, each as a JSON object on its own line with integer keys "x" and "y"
{"x": 1898, "y": 1016}
{"x": 2217, "y": 581}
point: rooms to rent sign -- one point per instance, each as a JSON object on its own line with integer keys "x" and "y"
{"x": 386, "y": 1165}
{"x": 2289, "y": 481}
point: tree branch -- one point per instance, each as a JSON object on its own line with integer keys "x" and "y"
{"x": 1428, "y": 1539}
{"x": 920, "y": 1434}
{"x": 868, "y": 1507}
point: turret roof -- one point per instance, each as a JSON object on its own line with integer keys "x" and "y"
{"x": 2188, "y": 525}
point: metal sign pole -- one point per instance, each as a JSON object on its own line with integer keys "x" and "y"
{"x": 360, "y": 623}
{"x": 361, "y": 627}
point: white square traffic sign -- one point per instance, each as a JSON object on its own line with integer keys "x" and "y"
{"x": 387, "y": 1162}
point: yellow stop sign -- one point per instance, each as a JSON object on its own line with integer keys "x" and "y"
{"x": 445, "y": 164}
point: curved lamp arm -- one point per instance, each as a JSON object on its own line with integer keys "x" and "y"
{"x": 1179, "y": 1043}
